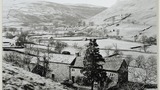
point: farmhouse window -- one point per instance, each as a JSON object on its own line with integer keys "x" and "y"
{"x": 73, "y": 69}
{"x": 112, "y": 78}
{"x": 53, "y": 76}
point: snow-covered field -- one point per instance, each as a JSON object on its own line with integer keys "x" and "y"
{"x": 110, "y": 43}
{"x": 75, "y": 38}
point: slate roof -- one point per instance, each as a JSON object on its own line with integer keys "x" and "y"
{"x": 79, "y": 62}
{"x": 113, "y": 65}
{"x": 61, "y": 58}
{"x": 57, "y": 58}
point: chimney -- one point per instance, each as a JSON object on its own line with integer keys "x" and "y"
{"x": 77, "y": 54}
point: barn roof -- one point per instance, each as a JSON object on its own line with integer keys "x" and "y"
{"x": 61, "y": 58}
{"x": 113, "y": 65}
{"x": 58, "y": 58}
{"x": 54, "y": 58}
{"x": 79, "y": 62}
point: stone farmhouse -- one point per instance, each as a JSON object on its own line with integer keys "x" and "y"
{"x": 117, "y": 71}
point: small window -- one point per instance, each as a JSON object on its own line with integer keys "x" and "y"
{"x": 111, "y": 74}
{"x": 53, "y": 76}
{"x": 112, "y": 78}
{"x": 73, "y": 69}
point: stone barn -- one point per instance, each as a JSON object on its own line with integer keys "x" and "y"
{"x": 58, "y": 66}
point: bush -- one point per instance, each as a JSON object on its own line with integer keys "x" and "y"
{"x": 13, "y": 58}
{"x": 59, "y": 46}
{"x": 17, "y": 60}
{"x": 151, "y": 40}
{"x": 81, "y": 80}
{"x": 140, "y": 61}
{"x": 128, "y": 59}
{"x": 66, "y": 53}
{"x": 9, "y": 35}
{"x": 81, "y": 34}
{"x": 70, "y": 33}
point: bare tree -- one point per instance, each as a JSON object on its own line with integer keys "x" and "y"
{"x": 117, "y": 51}
{"x": 27, "y": 59}
{"x": 146, "y": 74}
{"x": 107, "y": 50}
{"x": 145, "y": 47}
{"x": 150, "y": 66}
{"x": 140, "y": 61}
{"x": 144, "y": 39}
{"x": 151, "y": 69}
{"x": 128, "y": 59}
{"x": 135, "y": 38}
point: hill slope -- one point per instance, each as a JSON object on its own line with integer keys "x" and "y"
{"x": 16, "y": 78}
{"x": 143, "y": 11}
{"x": 47, "y": 12}
{"x": 130, "y": 17}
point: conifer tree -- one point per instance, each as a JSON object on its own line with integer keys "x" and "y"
{"x": 93, "y": 70}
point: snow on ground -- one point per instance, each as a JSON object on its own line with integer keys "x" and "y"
{"x": 125, "y": 53}
{"x": 142, "y": 15}
{"x": 128, "y": 31}
{"x": 15, "y": 78}
{"x": 141, "y": 10}
{"x": 75, "y": 38}
{"x": 103, "y": 52}
{"x": 110, "y": 42}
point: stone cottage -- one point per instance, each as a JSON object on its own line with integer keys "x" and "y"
{"x": 117, "y": 71}
{"x": 58, "y": 66}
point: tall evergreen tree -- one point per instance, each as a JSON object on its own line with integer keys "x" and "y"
{"x": 93, "y": 70}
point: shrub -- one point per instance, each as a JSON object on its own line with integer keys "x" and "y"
{"x": 128, "y": 59}
{"x": 59, "y": 46}
{"x": 9, "y": 35}
{"x": 70, "y": 33}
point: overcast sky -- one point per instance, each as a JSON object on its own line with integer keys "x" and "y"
{"x": 105, "y": 3}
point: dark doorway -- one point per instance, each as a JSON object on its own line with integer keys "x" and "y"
{"x": 73, "y": 77}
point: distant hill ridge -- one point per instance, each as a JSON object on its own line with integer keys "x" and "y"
{"x": 49, "y": 12}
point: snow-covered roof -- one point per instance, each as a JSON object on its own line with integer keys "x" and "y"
{"x": 60, "y": 58}
{"x": 57, "y": 58}
{"x": 79, "y": 62}
{"x": 113, "y": 65}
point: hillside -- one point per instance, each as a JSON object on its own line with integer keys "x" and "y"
{"x": 15, "y": 78}
{"x": 38, "y": 13}
{"x": 131, "y": 17}
{"x": 143, "y": 11}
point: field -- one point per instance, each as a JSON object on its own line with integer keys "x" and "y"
{"x": 103, "y": 43}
